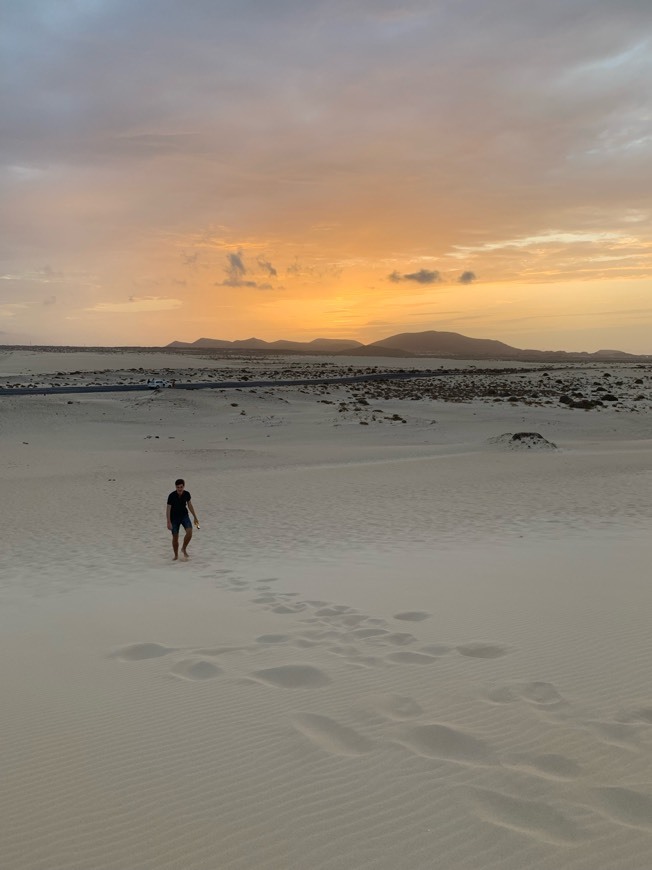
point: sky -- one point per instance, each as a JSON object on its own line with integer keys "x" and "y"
{"x": 326, "y": 168}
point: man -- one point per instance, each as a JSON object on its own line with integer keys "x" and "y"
{"x": 179, "y": 503}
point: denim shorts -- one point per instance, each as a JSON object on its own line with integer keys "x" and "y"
{"x": 185, "y": 522}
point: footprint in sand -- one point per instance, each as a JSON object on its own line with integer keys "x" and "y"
{"x": 195, "y": 669}
{"x": 330, "y": 736}
{"x": 399, "y": 638}
{"x": 396, "y": 707}
{"x": 276, "y": 602}
{"x": 292, "y": 677}
{"x": 360, "y": 661}
{"x": 273, "y": 638}
{"x": 364, "y": 633}
{"x": 538, "y": 693}
{"x": 534, "y": 818}
{"x": 502, "y": 695}
{"x": 350, "y": 620}
{"x": 284, "y": 608}
{"x": 345, "y": 620}
{"x": 138, "y": 652}
{"x": 482, "y": 650}
{"x": 413, "y": 615}
{"x": 266, "y": 598}
{"x": 334, "y": 610}
{"x": 322, "y": 635}
{"x": 447, "y": 744}
{"x": 625, "y": 806}
{"x": 219, "y": 650}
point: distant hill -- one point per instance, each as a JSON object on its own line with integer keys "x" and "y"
{"x": 432, "y": 343}
{"x": 445, "y": 344}
{"x": 452, "y": 345}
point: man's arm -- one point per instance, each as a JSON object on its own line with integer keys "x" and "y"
{"x": 192, "y": 511}
{"x": 167, "y": 516}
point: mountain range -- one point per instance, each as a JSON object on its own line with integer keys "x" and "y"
{"x": 432, "y": 343}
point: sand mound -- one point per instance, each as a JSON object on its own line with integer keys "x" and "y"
{"x": 523, "y": 441}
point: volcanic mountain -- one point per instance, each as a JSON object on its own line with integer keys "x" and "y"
{"x": 432, "y": 343}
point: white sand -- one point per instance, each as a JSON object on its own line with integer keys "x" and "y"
{"x": 396, "y": 645}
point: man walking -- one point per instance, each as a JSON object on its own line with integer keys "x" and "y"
{"x": 179, "y": 503}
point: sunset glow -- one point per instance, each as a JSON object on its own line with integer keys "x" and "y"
{"x": 316, "y": 169}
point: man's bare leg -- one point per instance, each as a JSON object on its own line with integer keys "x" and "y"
{"x": 175, "y": 546}
{"x": 186, "y": 541}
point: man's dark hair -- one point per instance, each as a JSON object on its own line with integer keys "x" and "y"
{"x": 180, "y": 480}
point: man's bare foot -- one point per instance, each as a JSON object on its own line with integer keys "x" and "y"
{"x": 175, "y": 557}
{"x": 185, "y": 555}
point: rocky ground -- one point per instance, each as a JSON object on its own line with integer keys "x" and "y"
{"x": 622, "y": 387}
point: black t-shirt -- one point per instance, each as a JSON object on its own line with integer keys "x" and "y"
{"x": 179, "y": 504}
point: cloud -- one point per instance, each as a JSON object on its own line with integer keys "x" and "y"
{"x": 466, "y": 278}
{"x": 313, "y": 271}
{"x": 236, "y": 270}
{"x": 137, "y": 305}
{"x": 236, "y": 266}
{"x": 42, "y": 275}
{"x": 266, "y": 266}
{"x": 423, "y": 276}
{"x": 235, "y": 282}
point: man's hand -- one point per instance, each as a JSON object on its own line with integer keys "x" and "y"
{"x": 169, "y": 526}
{"x": 196, "y": 523}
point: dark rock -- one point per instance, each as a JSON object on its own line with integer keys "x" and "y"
{"x": 523, "y": 441}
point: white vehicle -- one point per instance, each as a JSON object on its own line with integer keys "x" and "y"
{"x": 157, "y": 383}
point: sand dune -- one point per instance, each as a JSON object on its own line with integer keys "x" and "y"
{"x": 395, "y": 645}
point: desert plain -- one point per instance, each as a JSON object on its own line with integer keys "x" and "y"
{"x": 404, "y": 637}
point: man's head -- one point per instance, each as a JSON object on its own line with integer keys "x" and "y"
{"x": 179, "y": 484}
